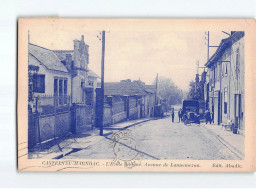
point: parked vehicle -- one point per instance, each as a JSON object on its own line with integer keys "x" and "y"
{"x": 190, "y": 112}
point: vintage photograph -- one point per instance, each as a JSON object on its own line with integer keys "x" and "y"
{"x": 132, "y": 94}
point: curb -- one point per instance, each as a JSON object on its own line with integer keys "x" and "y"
{"x": 122, "y": 128}
{"x": 233, "y": 149}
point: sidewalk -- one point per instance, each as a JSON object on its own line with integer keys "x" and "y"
{"x": 235, "y": 142}
{"x": 56, "y": 149}
{"x": 127, "y": 124}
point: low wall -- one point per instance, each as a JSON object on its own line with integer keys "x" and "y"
{"x": 53, "y": 126}
{"x": 82, "y": 118}
{"x": 133, "y": 113}
{"x": 119, "y": 117}
{"x": 107, "y": 119}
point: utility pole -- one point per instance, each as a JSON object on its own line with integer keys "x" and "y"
{"x": 208, "y": 41}
{"x": 102, "y": 83}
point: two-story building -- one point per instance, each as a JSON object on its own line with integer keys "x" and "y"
{"x": 224, "y": 90}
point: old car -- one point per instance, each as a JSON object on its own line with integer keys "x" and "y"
{"x": 190, "y": 112}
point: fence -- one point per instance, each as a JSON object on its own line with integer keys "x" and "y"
{"x": 50, "y": 119}
{"x": 118, "y": 109}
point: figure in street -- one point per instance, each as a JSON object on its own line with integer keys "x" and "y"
{"x": 180, "y": 115}
{"x": 208, "y": 116}
{"x": 173, "y": 115}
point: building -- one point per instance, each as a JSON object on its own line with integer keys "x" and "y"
{"x": 52, "y": 80}
{"x": 124, "y": 100}
{"x": 84, "y": 81}
{"x": 62, "y": 92}
{"x": 149, "y": 98}
{"x": 224, "y": 89}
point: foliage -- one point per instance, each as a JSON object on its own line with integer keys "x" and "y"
{"x": 196, "y": 90}
{"x": 168, "y": 91}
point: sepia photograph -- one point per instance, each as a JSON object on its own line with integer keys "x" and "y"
{"x": 134, "y": 95}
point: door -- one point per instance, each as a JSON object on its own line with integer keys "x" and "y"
{"x": 237, "y": 110}
{"x": 219, "y": 108}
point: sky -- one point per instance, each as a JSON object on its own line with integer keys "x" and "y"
{"x": 137, "y": 54}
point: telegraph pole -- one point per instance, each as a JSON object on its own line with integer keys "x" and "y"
{"x": 102, "y": 83}
{"x": 208, "y": 41}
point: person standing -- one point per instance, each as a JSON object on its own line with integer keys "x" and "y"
{"x": 179, "y": 115}
{"x": 173, "y": 115}
{"x": 208, "y": 116}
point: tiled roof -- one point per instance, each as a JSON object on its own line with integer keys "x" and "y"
{"x": 61, "y": 54}
{"x": 46, "y": 57}
{"x": 152, "y": 88}
{"x": 122, "y": 88}
{"x": 146, "y": 88}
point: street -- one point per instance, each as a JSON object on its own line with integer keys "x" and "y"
{"x": 157, "y": 139}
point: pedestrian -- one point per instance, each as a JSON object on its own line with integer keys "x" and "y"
{"x": 208, "y": 116}
{"x": 180, "y": 115}
{"x": 173, "y": 115}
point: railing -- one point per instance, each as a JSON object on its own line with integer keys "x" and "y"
{"x": 51, "y": 105}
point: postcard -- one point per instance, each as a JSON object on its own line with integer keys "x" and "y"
{"x": 136, "y": 95}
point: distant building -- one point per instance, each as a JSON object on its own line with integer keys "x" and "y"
{"x": 125, "y": 100}
{"x": 224, "y": 90}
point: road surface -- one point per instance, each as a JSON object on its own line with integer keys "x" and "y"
{"x": 158, "y": 139}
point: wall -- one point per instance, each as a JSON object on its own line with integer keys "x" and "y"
{"x": 81, "y": 118}
{"x": 46, "y": 127}
{"x": 237, "y": 83}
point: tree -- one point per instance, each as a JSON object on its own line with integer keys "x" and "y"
{"x": 168, "y": 91}
{"x": 196, "y": 90}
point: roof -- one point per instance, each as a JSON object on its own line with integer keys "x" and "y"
{"x": 61, "y": 54}
{"x": 92, "y": 74}
{"x": 45, "y": 57}
{"x": 224, "y": 44}
{"x": 146, "y": 88}
{"x": 122, "y": 88}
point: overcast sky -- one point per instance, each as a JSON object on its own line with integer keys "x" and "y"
{"x": 137, "y": 54}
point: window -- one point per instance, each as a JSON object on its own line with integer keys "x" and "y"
{"x": 39, "y": 83}
{"x": 56, "y": 88}
{"x": 65, "y": 91}
{"x": 226, "y": 69}
{"x": 237, "y": 60}
{"x": 90, "y": 83}
{"x": 214, "y": 75}
{"x": 60, "y": 90}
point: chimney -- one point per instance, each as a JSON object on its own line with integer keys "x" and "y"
{"x": 76, "y": 55}
{"x": 82, "y": 38}
{"x": 68, "y": 61}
